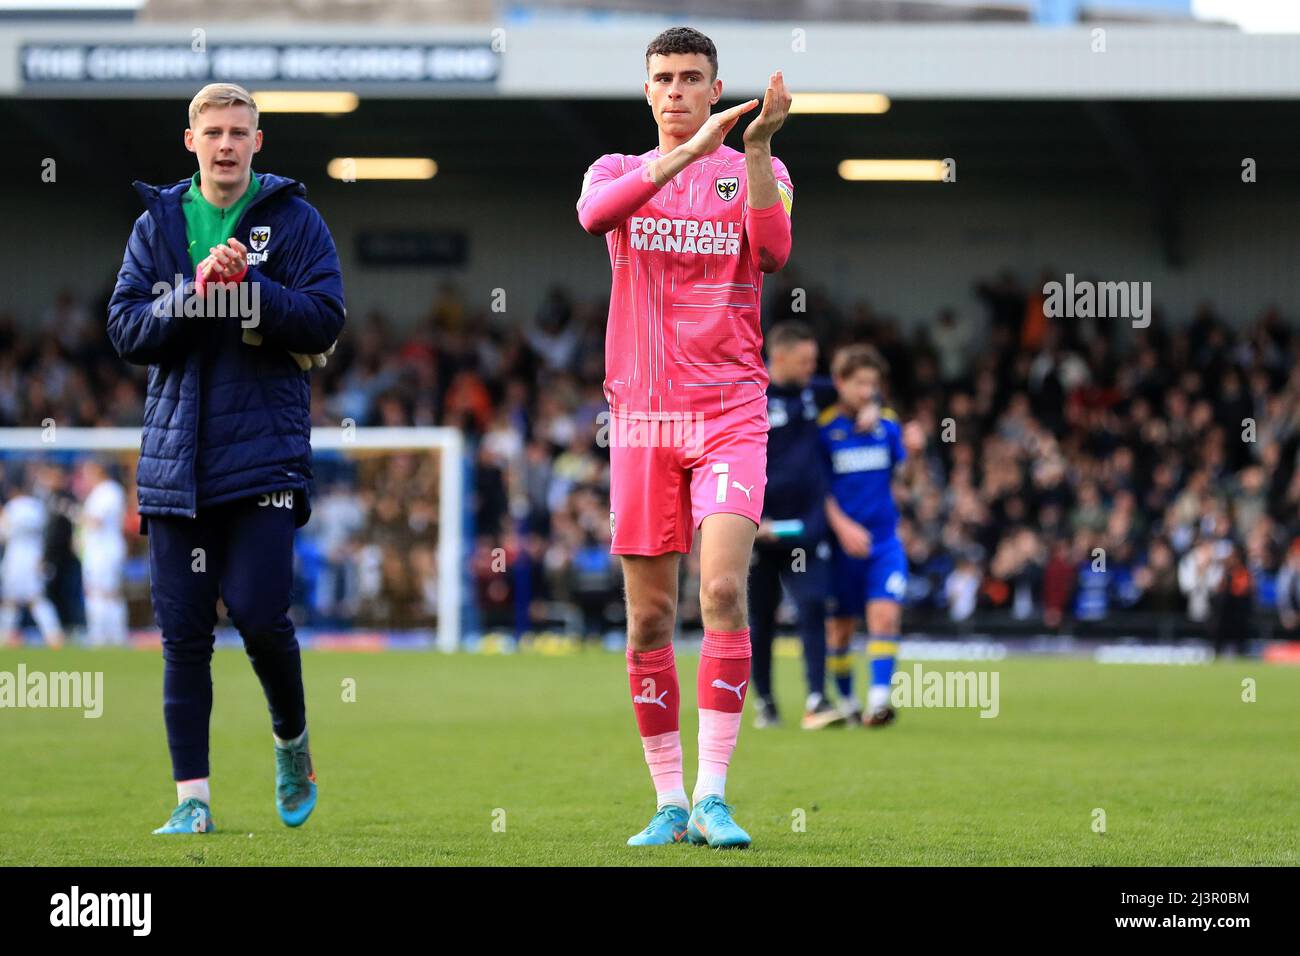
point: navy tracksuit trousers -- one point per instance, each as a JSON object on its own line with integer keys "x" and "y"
{"x": 242, "y": 552}
{"x": 770, "y": 567}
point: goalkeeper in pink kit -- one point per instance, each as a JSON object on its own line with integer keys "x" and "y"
{"x": 691, "y": 225}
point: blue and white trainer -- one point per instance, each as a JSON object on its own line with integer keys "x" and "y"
{"x": 295, "y": 783}
{"x": 192, "y": 816}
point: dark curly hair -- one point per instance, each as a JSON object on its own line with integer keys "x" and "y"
{"x": 683, "y": 40}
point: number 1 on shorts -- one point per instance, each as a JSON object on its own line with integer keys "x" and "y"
{"x": 720, "y": 469}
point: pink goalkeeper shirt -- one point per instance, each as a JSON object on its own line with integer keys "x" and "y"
{"x": 683, "y": 333}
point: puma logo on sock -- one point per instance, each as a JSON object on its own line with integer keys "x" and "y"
{"x": 638, "y": 699}
{"x": 723, "y": 685}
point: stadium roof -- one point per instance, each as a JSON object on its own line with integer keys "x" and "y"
{"x": 1054, "y": 12}
{"x": 999, "y": 146}
{"x": 604, "y": 61}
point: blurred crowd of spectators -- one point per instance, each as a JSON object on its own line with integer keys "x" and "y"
{"x": 1077, "y": 470}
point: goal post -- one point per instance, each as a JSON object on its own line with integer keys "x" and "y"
{"x": 447, "y": 443}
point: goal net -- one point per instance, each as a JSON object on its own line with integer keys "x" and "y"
{"x": 379, "y": 564}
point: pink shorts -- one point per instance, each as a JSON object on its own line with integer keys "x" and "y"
{"x": 670, "y": 472}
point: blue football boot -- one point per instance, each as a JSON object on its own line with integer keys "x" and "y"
{"x": 711, "y": 823}
{"x": 668, "y": 825}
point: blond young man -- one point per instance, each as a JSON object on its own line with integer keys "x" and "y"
{"x": 228, "y": 278}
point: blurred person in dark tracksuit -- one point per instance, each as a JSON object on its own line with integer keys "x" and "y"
{"x": 791, "y": 547}
{"x": 1233, "y": 605}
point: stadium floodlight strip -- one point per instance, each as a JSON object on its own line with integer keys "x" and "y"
{"x": 36, "y": 7}
{"x": 835, "y": 103}
{"x": 349, "y": 168}
{"x": 306, "y": 101}
{"x": 892, "y": 170}
{"x": 448, "y": 441}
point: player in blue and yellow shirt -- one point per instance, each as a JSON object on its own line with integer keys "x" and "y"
{"x": 862, "y": 443}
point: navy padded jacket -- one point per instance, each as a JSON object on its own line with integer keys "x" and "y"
{"x": 223, "y": 419}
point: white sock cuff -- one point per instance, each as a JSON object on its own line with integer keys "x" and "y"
{"x": 710, "y": 783}
{"x": 196, "y": 788}
{"x": 673, "y": 798}
{"x": 291, "y": 743}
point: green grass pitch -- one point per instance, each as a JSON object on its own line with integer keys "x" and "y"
{"x": 534, "y": 760}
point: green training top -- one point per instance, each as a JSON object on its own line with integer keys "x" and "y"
{"x": 207, "y": 226}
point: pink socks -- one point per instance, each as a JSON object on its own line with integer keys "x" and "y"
{"x": 723, "y": 680}
{"x": 722, "y": 683}
{"x": 652, "y": 676}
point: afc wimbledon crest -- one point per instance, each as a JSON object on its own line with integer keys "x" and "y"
{"x": 258, "y": 237}
{"x": 727, "y": 187}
